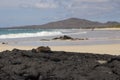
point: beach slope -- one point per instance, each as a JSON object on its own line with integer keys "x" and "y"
{"x": 112, "y": 49}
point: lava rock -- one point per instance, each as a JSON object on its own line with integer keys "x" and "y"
{"x": 41, "y": 64}
{"x": 65, "y": 37}
{"x": 43, "y": 49}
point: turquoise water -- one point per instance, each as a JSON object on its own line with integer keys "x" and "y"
{"x": 22, "y": 33}
{"x": 16, "y": 31}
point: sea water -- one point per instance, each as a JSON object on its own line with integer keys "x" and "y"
{"x": 34, "y": 36}
{"x": 24, "y": 33}
{"x": 79, "y": 33}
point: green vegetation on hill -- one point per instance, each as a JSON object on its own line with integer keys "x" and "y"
{"x": 117, "y": 26}
{"x": 113, "y": 26}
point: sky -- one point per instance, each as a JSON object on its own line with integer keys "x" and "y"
{"x": 36, "y": 12}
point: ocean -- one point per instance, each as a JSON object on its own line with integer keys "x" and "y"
{"x": 34, "y": 36}
{"x": 24, "y": 33}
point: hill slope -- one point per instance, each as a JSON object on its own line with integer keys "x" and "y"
{"x": 71, "y": 23}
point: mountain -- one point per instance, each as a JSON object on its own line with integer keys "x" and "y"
{"x": 112, "y": 23}
{"x": 70, "y": 23}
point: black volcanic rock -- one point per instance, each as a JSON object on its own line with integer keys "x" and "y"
{"x": 65, "y": 37}
{"x": 58, "y": 65}
{"x": 69, "y": 24}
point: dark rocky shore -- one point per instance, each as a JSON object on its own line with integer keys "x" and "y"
{"x": 40, "y": 64}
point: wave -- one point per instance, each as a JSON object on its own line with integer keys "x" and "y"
{"x": 37, "y": 34}
{"x": 76, "y": 33}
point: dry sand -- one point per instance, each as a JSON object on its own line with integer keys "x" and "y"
{"x": 113, "y": 49}
{"x": 9, "y": 47}
{"x": 107, "y": 29}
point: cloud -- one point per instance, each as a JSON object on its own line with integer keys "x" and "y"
{"x": 69, "y": 8}
{"x": 41, "y": 4}
{"x": 92, "y": 7}
{"x": 28, "y": 3}
{"x": 91, "y": 0}
{"x": 45, "y": 5}
{"x": 9, "y": 3}
{"x": 73, "y": 4}
{"x": 66, "y": 8}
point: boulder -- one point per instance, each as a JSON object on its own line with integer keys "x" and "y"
{"x": 65, "y": 37}
{"x": 43, "y": 49}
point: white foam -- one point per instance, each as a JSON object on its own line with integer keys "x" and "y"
{"x": 23, "y": 35}
{"x": 76, "y": 33}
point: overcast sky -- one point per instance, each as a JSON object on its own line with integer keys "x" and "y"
{"x": 34, "y": 12}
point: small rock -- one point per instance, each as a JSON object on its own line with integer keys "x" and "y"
{"x": 102, "y": 61}
{"x": 83, "y": 39}
{"x": 33, "y": 50}
{"x": 4, "y": 43}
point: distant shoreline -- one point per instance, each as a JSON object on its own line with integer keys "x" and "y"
{"x": 75, "y": 28}
{"x": 107, "y": 29}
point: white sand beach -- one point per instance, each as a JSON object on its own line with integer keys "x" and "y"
{"x": 112, "y": 49}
